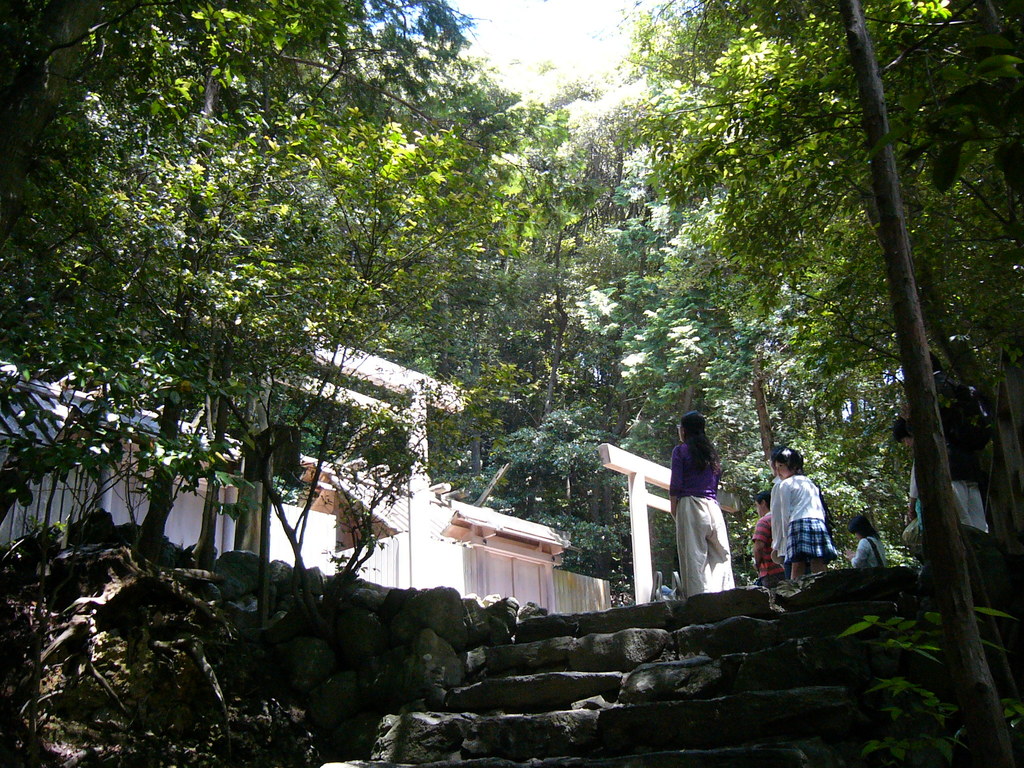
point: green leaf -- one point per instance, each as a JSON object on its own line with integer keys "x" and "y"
{"x": 872, "y": 746}
{"x": 1010, "y": 159}
{"x": 853, "y": 629}
{"x": 998, "y": 62}
{"x": 986, "y": 611}
{"x": 891, "y": 137}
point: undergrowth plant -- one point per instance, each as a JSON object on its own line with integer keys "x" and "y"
{"x": 912, "y": 703}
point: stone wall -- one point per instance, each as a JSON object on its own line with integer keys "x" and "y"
{"x": 387, "y": 649}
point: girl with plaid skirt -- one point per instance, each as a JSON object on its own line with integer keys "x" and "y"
{"x": 800, "y": 536}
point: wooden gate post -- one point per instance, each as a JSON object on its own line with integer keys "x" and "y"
{"x": 640, "y": 530}
{"x": 639, "y": 472}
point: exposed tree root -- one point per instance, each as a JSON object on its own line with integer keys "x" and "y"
{"x": 195, "y": 651}
{"x": 99, "y": 678}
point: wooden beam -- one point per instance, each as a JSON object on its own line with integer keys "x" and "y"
{"x": 391, "y": 376}
{"x": 490, "y": 486}
{"x": 613, "y": 457}
{"x": 659, "y": 503}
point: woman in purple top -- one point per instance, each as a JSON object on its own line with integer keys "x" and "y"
{"x": 705, "y": 564}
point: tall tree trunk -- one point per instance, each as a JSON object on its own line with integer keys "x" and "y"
{"x": 29, "y": 103}
{"x": 41, "y": 629}
{"x": 206, "y": 545}
{"x": 250, "y": 498}
{"x": 263, "y": 573}
{"x": 476, "y": 444}
{"x": 686, "y": 401}
{"x": 161, "y": 489}
{"x": 267, "y": 443}
{"x": 1005, "y": 497}
{"x": 561, "y": 323}
{"x": 217, "y": 428}
{"x": 622, "y": 413}
{"x": 476, "y": 464}
{"x": 600, "y": 505}
{"x": 764, "y": 423}
{"x": 13, "y": 482}
{"x": 975, "y": 689}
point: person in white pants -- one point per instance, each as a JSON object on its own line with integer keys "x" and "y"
{"x": 705, "y": 562}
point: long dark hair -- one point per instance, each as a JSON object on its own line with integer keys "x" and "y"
{"x": 860, "y": 524}
{"x": 703, "y": 452}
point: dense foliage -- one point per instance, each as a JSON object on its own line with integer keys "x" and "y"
{"x": 213, "y": 195}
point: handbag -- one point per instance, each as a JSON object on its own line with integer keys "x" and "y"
{"x": 913, "y": 537}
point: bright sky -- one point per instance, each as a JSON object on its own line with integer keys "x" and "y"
{"x": 586, "y": 35}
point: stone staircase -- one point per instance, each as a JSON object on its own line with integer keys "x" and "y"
{"x": 749, "y": 677}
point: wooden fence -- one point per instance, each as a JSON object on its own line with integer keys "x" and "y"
{"x": 575, "y": 593}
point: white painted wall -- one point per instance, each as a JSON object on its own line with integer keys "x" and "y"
{"x": 442, "y": 562}
{"x": 73, "y": 497}
{"x": 317, "y": 545}
{"x": 468, "y": 569}
{"x": 576, "y": 593}
{"x": 384, "y": 565}
{"x": 438, "y": 561}
{"x": 66, "y": 500}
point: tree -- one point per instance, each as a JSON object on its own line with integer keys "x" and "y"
{"x": 225, "y": 245}
{"x": 979, "y": 699}
{"x": 752, "y": 121}
{"x": 761, "y": 134}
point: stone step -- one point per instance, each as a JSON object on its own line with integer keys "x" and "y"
{"x": 712, "y": 607}
{"x": 629, "y": 648}
{"x": 827, "y": 712}
{"x": 532, "y": 693}
{"x": 846, "y": 585}
{"x": 755, "y": 756}
{"x": 798, "y": 662}
{"x": 425, "y": 737}
{"x": 801, "y": 662}
{"x": 746, "y": 634}
{"x": 619, "y": 651}
{"x": 644, "y": 616}
{"x": 830, "y": 588}
{"x": 671, "y": 614}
